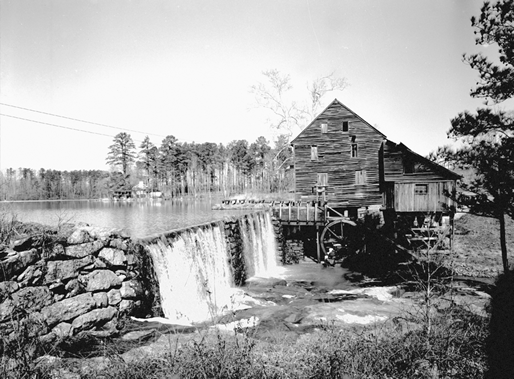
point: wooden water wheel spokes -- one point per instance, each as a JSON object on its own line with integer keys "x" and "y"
{"x": 341, "y": 236}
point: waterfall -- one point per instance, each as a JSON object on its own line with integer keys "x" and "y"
{"x": 194, "y": 276}
{"x": 192, "y": 266}
{"x": 259, "y": 245}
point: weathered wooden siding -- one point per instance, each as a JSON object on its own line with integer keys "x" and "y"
{"x": 388, "y": 195}
{"x": 382, "y": 173}
{"x": 334, "y": 158}
{"x": 395, "y": 161}
{"x": 405, "y": 199}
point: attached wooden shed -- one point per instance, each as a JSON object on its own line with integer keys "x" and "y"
{"x": 412, "y": 183}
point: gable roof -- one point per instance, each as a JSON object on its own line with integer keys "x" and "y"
{"x": 435, "y": 166}
{"x": 336, "y": 102}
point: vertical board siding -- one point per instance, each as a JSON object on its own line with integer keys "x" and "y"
{"x": 405, "y": 200}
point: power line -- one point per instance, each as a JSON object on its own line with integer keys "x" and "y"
{"x": 78, "y": 120}
{"x": 59, "y": 126}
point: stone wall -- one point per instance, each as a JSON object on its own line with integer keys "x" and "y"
{"x": 293, "y": 251}
{"x": 281, "y": 241}
{"x": 82, "y": 279}
{"x": 235, "y": 247}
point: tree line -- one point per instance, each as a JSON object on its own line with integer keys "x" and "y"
{"x": 174, "y": 169}
{"x": 179, "y": 168}
{"x": 30, "y": 184}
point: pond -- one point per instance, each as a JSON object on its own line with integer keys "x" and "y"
{"x": 139, "y": 218}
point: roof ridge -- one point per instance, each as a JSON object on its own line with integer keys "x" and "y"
{"x": 336, "y": 101}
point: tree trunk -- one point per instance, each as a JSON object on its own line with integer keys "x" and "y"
{"x": 503, "y": 242}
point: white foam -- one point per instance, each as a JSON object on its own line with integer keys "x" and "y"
{"x": 362, "y": 320}
{"x": 379, "y": 293}
{"x": 239, "y": 324}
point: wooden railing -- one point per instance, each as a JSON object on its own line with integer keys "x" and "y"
{"x": 294, "y": 212}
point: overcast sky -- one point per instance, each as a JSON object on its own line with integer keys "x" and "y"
{"x": 185, "y": 68}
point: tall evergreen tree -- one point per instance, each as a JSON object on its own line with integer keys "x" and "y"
{"x": 487, "y": 136}
{"x": 121, "y": 152}
{"x": 148, "y": 160}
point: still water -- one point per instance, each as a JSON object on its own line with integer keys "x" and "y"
{"x": 138, "y": 218}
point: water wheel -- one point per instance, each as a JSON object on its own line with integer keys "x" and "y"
{"x": 339, "y": 238}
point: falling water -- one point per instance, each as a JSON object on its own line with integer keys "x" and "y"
{"x": 192, "y": 266}
{"x": 194, "y": 276}
{"x": 259, "y": 245}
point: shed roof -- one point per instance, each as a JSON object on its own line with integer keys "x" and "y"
{"x": 437, "y": 167}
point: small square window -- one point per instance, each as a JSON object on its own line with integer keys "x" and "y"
{"x": 344, "y": 126}
{"x": 360, "y": 177}
{"x": 322, "y": 179}
{"x": 324, "y": 128}
{"x": 421, "y": 189}
{"x": 314, "y": 153}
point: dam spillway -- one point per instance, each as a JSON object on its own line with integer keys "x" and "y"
{"x": 198, "y": 268}
{"x": 259, "y": 244}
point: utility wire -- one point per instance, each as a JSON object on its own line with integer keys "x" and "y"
{"x": 59, "y": 126}
{"x": 76, "y": 119}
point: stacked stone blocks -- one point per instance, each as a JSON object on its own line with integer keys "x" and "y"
{"x": 84, "y": 280}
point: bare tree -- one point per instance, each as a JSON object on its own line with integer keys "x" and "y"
{"x": 290, "y": 116}
{"x": 320, "y": 87}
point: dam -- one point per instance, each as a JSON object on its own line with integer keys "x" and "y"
{"x": 199, "y": 268}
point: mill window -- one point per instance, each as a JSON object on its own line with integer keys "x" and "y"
{"x": 314, "y": 153}
{"x": 322, "y": 179}
{"x": 421, "y": 189}
{"x": 324, "y": 128}
{"x": 360, "y": 177}
{"x": 344, "y": 126}
{"x": 353, "y": 151}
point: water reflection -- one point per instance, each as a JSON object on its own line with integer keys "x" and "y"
{"x": 139, "y": 218}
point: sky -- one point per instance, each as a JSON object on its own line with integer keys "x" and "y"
{"x": 185, "y": 68}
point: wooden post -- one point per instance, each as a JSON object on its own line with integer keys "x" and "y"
{"x": 307, "y": 218}
{"x": 318, "y": 249}
{"x": 289, "y": 211}
{"x": 280, "y": 211}
{"x": 452, "y": 214}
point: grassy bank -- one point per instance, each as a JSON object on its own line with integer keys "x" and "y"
{"x": 476, "y": 247}
{"x": 402, "y": 348}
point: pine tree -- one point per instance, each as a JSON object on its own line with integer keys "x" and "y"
{"x": 121, "y": 152}
{"x": 488, "y": 135}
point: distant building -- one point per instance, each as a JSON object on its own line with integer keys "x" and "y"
{"x": 140, "y": 190}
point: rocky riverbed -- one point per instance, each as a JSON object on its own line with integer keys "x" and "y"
{"x": 299, "y": 301}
